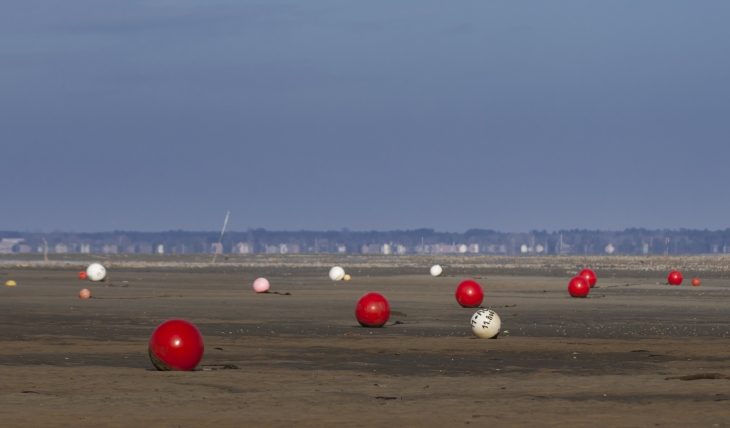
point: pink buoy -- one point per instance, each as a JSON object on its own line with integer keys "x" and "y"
{"x": 261, "y": 285}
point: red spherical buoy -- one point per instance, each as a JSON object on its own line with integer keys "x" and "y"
{"x": 372, "y": 310}
{"x": 590, "y": 276}
{"x": 176, "y": 345}
{"x": 578, "y": 287}
{"x": 696, "y": 282}
{"x": 675, "y": 277}
{"x": 82, "y": 274}
{"x": 469, "y": 294}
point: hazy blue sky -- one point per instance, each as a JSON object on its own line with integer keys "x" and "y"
{"x": 509, "y": 115}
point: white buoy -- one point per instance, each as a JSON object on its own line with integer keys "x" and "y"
{"x": 436, "y": 270}
{"x": 485, "y": 324}
{"x": 337, "y": 273}
{"x": 95, "y": 272}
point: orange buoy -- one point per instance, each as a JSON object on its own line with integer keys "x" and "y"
{"x": 84, "y": 294}
{"x": 696, "y": 282}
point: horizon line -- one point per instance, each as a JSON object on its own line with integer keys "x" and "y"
{"x": 681, "y": 229}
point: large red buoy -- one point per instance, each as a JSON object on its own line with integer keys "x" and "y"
{"x": 578, "y": 287}
{"x": 469, "y": 294}
{"x": 675, "y": 277}
{"x": 82, "y": 274}
{"x": 590, "y": 276}
{"x": 696, "y": 282}
{"x": 372, "y": 310}
{"x": 176, "y": 345}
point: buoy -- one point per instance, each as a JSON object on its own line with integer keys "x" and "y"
{"x": 96, "y": 272}
{"x": 436, "y": 270}
{"x": 372, "y": 310}
{"x": 11, "y": 283}
{"x": 337, "y": 273}
{"x": 261, "y": 285}
{"x": 347, "y": 277}
{"x": 578, "y": 287}
{"x": 590, "y": 276}
{"x": 469, "y": 294}
{"x": 485, "y": 324}
{"x": 84, "y": 294}
{"x": 696, "y": 282}
{"x": 82, "y": 274}
{"x": 176, "y": 345}
{"x": 675, "y": 277}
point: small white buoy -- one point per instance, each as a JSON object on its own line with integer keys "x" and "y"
{"x": 436, "y": 270}
{"x": 485, "y": 324}
{"x": 337, "y": 273}
{"x": 95, "y": 272}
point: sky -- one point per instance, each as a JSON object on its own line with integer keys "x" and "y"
{"x": 378, "y": 115}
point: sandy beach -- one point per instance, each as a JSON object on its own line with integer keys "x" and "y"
{"x": 616, "y": 358}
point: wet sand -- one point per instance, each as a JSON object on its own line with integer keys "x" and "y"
{"x": 304, "y": 361}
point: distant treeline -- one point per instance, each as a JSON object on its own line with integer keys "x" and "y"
{"x": 423, "y": 241}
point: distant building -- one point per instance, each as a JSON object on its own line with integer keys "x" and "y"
{"x": 445, "y": 249}
{"x": 7, "y": 244}
{"x": 24, "y": 249}
{"x": 385, "y": 249}
{"x": 181, "y": 249}
{"x": 474, "y": 248}
{"x": 371, "y": 249}
{"x": 109, "y": 249}
{"x": 400, "y": 249}
{"x": 160, "y": 249}
{"x": 341, "y": 249}
{"x": 84, "y": 248}
{"x": 272, "y": 249}
{"x": 61, "y": 248}
{"x": 242, "y": 248}
{"x": 216, "y": 248}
